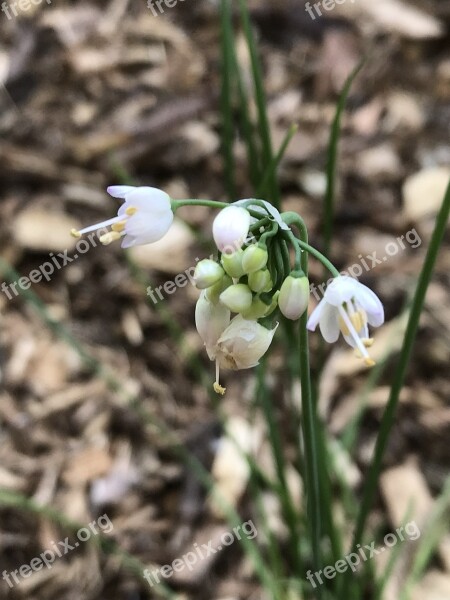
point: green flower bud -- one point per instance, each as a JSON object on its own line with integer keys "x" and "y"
{"x": 255, "y": 258}
{"x": 260, "y": 309}
{"x": 232, "y": 263}
{"x": 237, "y": 297}
{"x": 260, "y": 281}
{"x": 207, "y": 273}
{"x": 294, "y": 296}
{"x": 213, "y": 292}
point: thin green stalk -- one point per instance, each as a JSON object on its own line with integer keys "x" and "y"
{"x": 226, "y": 95}
{"x": 292, "y": 218}
{"x": 271, "y": 171}
{"x": 310, "y": 431}
{"x": 264, "y": 127}
{"x": 402, "y": 366}
{"x": 248, "y": 129}
{"x": 332, "y": 160}
{"x": 280, "y": 463}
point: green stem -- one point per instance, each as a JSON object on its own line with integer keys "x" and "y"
{"x": 261, "y": 103}
{"x": 402, "y": 366}
{"x": 310, "y": 429}
{"x": 226, "y": 97}
{"x": 292, "y": 218}
{"x": 176, "y": 204}
{"x": 332, "y": 159}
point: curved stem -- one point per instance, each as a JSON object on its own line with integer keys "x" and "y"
{"x": 176, "y": 204}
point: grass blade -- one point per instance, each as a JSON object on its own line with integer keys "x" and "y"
{"x": 402, "y": 366}
{"x": 226, "y": 96}
{"x": 272, "y": 191}
{"x": 332, "y": 156}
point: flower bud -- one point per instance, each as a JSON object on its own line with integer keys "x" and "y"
{"x": 213, "y": 292}
{"x": 237, "y": 297}
{"x": 294, "y": 296}
{"x": 232, "y": 263}
{"x": 207, "y": 273}
{"x": 255, "y": 258}
{"x": 260, "y": 309}
{"x": 211, "y": 320}
{"x": 260, "y": 281}
{"x": 230, "y": 228}
{"x": 243, "y": 343}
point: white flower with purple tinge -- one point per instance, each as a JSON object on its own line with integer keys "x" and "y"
{"x": 145, "y": 216}
{"x": 348, "y": 307}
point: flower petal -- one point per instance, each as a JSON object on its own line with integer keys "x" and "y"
{"x": 329, "y": 324}
{"x": 147, "y": 199}
{"x": 120, "y": 191}
{"x": 370, "y": 302}
{"x": 146, "y": 229}
{"x": 341, "y": 290}
{"x": 314, "y": 318}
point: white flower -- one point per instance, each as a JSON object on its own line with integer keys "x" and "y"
{"x": 348, "y": 307}
{"x": 144, "y": 217}
{"x": 230, "y": 228}
{"x": 210, "y": 319}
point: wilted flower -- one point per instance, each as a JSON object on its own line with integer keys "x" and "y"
{"x": 348, "y": 307}
{"x": 230, "y": 228}
{"x": 144, "y": 217}
{"x": 211, "y": 320}
{"x": 294, "y": 296}
{"x": 241, "y": 346}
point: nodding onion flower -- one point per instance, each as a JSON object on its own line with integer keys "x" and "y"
{"x": 348, "y": 307}
{"x": 144, "y": 217}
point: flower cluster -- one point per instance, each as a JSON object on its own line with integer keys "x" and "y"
{"x": 251, "y": 278}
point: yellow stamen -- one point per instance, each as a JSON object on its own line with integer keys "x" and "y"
{"x": 369, "y": 362}
{"x": 120, "y": 226}
{"x": 368, "y": 342}
{"x": 74, "y": 233}
{"x": 131, "y": 210}
{"x": 219, "y": 389}
{"x": 110, "y": 237}
{"x": 358, "y": 320}
{"x": 343, "y": 327}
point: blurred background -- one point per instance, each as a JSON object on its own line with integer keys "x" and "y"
{"x": 94, "y": 94}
